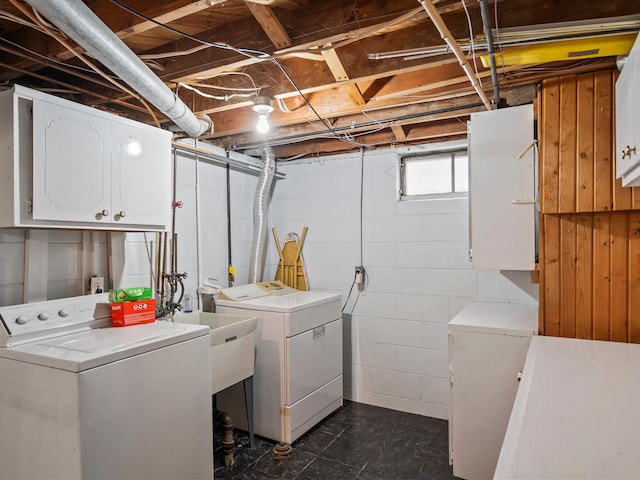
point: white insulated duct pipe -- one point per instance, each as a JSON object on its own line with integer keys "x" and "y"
{"x": 75, "y": 19}
{"x": 455, "y": 47}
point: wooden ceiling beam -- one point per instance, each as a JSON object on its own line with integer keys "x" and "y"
{"x": 398, "y": 132}
{"x": 123, "y": 24}
{"x": 315, "y": 47}
{"x": 352, "y": 124}
{"x": 270, "y": 24}
{"x": 340, "y": 74}
{"x": 170, "y": 15}
{"x": 439, "y": 130}
{"x": 286, "y": 4}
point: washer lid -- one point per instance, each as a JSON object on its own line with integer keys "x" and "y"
{"x": 81, "y": 351}
{"x": 289, "y": 303}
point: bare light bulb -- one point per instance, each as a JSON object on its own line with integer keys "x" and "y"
{"x": 263, "y": 106}
{"x": 263, "y": 125}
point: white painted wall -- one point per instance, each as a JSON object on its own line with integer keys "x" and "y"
{"x": 415, "y": 254}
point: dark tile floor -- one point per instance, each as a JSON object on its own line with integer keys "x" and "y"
{"x": 357, "y": 441}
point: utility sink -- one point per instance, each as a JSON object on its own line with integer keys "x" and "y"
{"x": 233, "y": 345}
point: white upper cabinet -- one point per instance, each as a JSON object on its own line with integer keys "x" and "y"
{"x": 77, "y": 167}
{"x": 502, "y": 189}
{"x": 628, "y": 120}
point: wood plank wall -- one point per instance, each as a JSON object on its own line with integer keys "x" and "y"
{"x": 589, "y": 224}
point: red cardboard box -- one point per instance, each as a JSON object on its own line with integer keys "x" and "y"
{"x": 124, "y": 314}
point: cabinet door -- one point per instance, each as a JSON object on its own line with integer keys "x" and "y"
{"x": 484, "y": 386}
{"x": 71, "y": 164}
{"x": 141, "y": 175}
{"x": 628, "y": 120}
{"x": 502, "y": 189}
{"x": 627, "y": 102}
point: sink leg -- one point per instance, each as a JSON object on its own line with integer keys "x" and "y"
{"x": 248, "y": 400}
{"x": 282, "y": 450}
{"x": 228, "y": 444}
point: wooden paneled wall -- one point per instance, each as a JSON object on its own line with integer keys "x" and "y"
{"x": 590, "y": 276}
{"x": 576, "y": 126}
{"x": 589, "y": 224}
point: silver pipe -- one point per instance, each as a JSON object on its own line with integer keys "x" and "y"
{"x": 486, "y": 24}
{"x": 75, "y": 19}
{"x": 260, "y": 210}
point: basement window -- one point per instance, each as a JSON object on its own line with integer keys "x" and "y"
{"x": 436, "y": 175}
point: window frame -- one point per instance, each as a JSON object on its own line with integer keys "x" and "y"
{"x": 452, "y": 152}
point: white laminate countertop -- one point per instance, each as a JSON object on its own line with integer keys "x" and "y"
{"x": 576, "y": 414}
{"x": 503, "y": 318}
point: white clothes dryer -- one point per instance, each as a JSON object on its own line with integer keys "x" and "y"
{"x": 298, "y": 372}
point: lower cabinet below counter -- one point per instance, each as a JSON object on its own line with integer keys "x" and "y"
{"x": 488, "y": 343}
{"x": 576, "y": 412}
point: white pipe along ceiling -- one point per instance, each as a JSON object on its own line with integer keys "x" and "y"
{"x": 76, "y": 20}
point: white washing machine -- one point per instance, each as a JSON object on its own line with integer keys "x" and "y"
{"x": 298, "y": 373}
{"x": 80, "y": 399}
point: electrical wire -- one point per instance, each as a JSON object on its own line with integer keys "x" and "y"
{"x": 155, "y": 56}
{"x": 473, "y": 47}
{"x": 20, "y": 21}
{"x": 35, "y": 18}
{"x": 215, "y": 97}
{"x": 243, "y": 51}
{"x": 495, "y": 21}
{"x": 262, "y": 55}
{"x": 365, "y": 276}
{"x": 46, "y": 59}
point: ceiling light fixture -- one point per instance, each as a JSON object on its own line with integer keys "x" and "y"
{"x": 263, "y": 106}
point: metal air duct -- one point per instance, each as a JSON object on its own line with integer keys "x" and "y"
{"x": 75, "y": 19}
{"x": 260, "y": 210}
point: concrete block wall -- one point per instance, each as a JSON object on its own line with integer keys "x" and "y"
{"x": 201, "y": 227}
{"x": 418, "y": 274}
{"x": 59, "y": 263}
{"x": 415, "y": 255}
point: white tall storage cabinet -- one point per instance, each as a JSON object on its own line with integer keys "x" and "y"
{"x": 298, "y": 373}
{"x": 488, "y": 344}
{"x": 502, "y": 192}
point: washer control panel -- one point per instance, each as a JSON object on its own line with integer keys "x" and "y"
{"x": 33, "y": 321}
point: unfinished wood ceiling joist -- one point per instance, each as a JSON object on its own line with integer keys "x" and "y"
{"x": 312, "y": 58}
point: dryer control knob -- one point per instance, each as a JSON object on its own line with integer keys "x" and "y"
{"x": 44, "y": 316}
{"x": 63, "y": 313}
{"x": 22, "y": 319}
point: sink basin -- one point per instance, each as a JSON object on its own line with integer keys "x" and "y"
{"x": 233, "y": 345}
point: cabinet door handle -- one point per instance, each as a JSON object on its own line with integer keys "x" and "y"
{"x": 522, "y": 202}
{"x": 627, "y": 152}
{"x": 122, "y": 214}
{"x": 519, "y": 376}
{"x": 104, "y": 213}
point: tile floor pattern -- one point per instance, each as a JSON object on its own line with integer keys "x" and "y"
{"x": 357, "y": 441}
